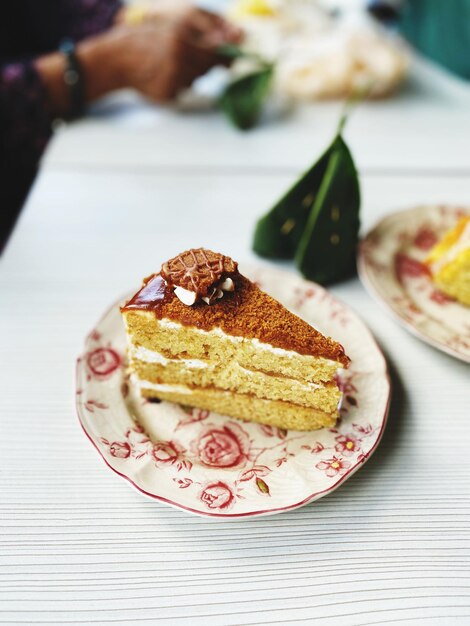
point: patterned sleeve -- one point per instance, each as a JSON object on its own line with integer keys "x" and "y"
{"x": 82, "y": 18}
{"x": 25, "y": 124}
{"x": 24, "y": 131}
{"x": 24, "y": 121}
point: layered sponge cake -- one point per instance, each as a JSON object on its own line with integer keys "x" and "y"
{"x": 449, "y": 262}
{"x": 201, "y": 334}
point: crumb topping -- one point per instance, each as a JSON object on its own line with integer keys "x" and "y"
{"x": 246, "y": 312}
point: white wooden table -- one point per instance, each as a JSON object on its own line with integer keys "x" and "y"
{"x": 115, "y": 197}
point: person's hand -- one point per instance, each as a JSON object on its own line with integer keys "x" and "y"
{"x": 167, "y": 51}
{"x": 159, "y": 57}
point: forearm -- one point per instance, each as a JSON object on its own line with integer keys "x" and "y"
{"x": 100, "y": 73}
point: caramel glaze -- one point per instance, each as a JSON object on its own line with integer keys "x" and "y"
{"x": 151, "y": 295}
{"x": 245, "y": 312}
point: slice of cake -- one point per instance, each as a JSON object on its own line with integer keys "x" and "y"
{"x": 449, "y": 262}
{"x": 203, "y": 335}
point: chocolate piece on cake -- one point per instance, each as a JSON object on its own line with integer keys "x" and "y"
{"x": 198, "y": 270}
{"x": 203, "y": 335}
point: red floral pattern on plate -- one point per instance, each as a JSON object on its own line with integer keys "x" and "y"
{"x": 333, "y": 466}
{"x": 102, "y": 362}
{"x": 425, "y": 238}
{"x": 347, "y": 444}
{"x": 213, "y": 465}
{"x": 120, "y": 449}
{"x": 222, "y": 447}
{"x": 166, "y": 452}
{"x": 440, "y": 298}
{"x": 217, "y": 496}
{"x": 408, "y": 266}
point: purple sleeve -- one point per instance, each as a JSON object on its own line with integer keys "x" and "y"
{"x": 24, "y": 131}
{"x": 82, "y": 18}
{"x": 24, "y": 121}
{"x": 25, "y": 125}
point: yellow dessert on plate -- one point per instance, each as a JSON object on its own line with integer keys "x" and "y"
{"x": 449, "y": 262}
{"x": 251, "y": 8}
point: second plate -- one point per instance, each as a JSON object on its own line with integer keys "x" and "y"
{"x": 391, "y": 266}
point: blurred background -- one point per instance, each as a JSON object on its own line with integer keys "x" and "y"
{"x": 143, "y": 81}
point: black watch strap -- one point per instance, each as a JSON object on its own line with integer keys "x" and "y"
{"x": 73, "y": 78}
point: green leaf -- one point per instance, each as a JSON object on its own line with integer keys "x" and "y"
{"x": 244, "y": 97}
{"x": 327, "y": 249}
{"x": 231, "y": 51}
{"x": 278, "y": 233}
{"x": 317, "y": 220}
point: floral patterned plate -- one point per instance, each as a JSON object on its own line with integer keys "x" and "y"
{"x": 210, "y": 464}
{"x": 391, "y": 266}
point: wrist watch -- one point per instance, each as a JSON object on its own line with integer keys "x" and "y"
{"x": 73, "y": 79}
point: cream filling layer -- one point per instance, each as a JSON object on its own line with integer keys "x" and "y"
{"x": 166, "y": 323}
{"x": 142, "y": 384}
{"x": 151, "y": 356}
{"x": 146, "y": 384}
